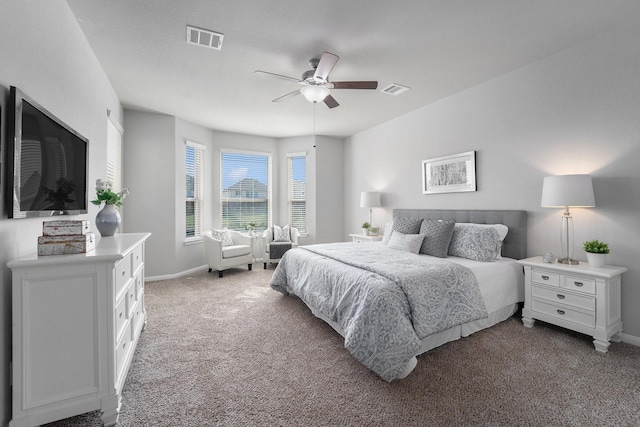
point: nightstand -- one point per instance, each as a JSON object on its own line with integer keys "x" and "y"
{"x": 577, "y": 297}
{"x": 361, "y": 238}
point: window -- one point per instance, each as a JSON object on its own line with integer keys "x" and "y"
{"x": 114, "y": 155}
{"x": 194, "y": 154}
{"x": 297, "y": 183}
{"x": 246, "y": 183}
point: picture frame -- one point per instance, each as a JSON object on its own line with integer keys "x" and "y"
{"x": 373, "y": 231}
{"x": 449, "y": 174}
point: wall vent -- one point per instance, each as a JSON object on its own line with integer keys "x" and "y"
{"x": 394, "y": 89}
{"x": 204, "y": 38}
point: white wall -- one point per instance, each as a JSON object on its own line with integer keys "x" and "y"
{"x": 44, "y": 53}
{"x": 575, "y": 112}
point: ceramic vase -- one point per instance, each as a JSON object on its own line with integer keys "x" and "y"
{"x": 108, "y": 220}
{"x": 596, "y": 260}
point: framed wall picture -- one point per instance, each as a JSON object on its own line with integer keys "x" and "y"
{"x": 449, "y": 174}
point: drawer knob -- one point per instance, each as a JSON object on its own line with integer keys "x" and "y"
{"x": 120, "y": 315}
{"x": 560, "y": 296}
{"x": 578, "y": 284}
{"x": 122, "y": 273}
{"x": 545, "y": 277}
{"x": 561, "y": 312}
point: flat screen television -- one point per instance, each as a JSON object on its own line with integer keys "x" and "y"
{"x": 47, "y": 162}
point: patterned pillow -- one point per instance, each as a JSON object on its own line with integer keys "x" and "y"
{"x": 281, "y": 234}
{"x": 406, "y": 242}
{"x": 437, "y": 237}
{"x": 474, "y": 242}
{"x": 407, "y": 225}
{"x": 222, "y": 235}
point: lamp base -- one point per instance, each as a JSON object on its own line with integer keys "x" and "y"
{"x": 568, "y": 261}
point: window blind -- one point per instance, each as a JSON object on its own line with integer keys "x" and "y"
{"x": 194, "y": 156}
{"x": 114, "y": 155}
{"x": 297, "y": 183}
{"x": 245, "y": 190}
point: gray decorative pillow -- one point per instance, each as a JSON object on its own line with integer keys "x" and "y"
{"x": 437, "y": 237}
{"x": 406, "y": 242}
{"x": 407, "y": 225}
{"x": 473, "y": 242}
{"x": 281, "y": 234}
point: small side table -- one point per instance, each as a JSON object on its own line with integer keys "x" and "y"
{"x": 361, "y": 238}
{"x": 578, "y": 297}
{"x": 257, "y": 247}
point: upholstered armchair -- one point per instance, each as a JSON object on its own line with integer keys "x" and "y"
{"x": 222, "y": 255}
{"x": 273, "y": 254}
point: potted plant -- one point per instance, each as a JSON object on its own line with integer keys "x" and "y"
{"x": 365, "y": 228}
{"x": 596, "y": 252}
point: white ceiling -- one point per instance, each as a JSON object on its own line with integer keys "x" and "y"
{"x": 436, "y": 47}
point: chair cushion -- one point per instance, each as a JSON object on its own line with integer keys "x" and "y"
{"x": 235, "y": 250}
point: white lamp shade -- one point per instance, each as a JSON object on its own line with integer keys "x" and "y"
{"x": 567, "y": 190}
{"x": 314, "y": 93}
{"x": 370, "y": 199}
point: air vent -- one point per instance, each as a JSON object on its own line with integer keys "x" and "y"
{"x": 394, "y": 89}
{"x": 204, "y": 38}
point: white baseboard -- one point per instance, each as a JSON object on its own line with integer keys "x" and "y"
{"x": 630, "y": 339}
{"x": 176, "y": 275}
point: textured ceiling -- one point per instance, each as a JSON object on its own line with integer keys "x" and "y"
{"x": 437, "y": 48}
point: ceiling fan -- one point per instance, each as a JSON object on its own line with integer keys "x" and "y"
{"x": 315, "y": 82}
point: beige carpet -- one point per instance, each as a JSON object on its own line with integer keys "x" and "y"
{"x": 233, "y": 352}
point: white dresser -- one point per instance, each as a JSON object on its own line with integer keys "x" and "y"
{"x": 577, "y": 297}
{"x": 76, "y": 322}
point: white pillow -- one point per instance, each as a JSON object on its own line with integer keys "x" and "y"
{"x": 281, "y": 234}
{"x": 388, "y": 229}
{"x": 406, "y": 242}
{"x": 222, "y": 235}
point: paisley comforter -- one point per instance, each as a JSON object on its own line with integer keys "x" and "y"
{"x": 385, "y": 300}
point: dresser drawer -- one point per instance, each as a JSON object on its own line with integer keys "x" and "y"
{"x": 122, "y": 351}
{"x": 137, "y": 258}
{"x": 123, "y": 274}
{"x": 121, "y": 318}
{"x": 545, "y": 277}
{"x": 581, "y": 284}
{"x": 131, "y": 298}
{"x": 139, "y": 284}
{"x": 558, "y": 296}
{"x": 564, "y": 312}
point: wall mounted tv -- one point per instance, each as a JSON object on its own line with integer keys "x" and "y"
{"x": 47, "y": 163}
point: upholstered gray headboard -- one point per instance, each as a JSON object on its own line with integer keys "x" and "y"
{"x": 514, "y": 245}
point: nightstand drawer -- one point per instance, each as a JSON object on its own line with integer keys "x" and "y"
{"x": 558, "y": 297}
{"x": 581, "y": 284}
{"x": 587, "y": 319}
{"x": 546, "y": 277}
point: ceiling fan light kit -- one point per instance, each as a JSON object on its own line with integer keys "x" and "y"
{"x": 315, "y": 93}
{"x": 316, "y": 84}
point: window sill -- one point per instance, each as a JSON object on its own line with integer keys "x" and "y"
{"x": 192, "y": 240}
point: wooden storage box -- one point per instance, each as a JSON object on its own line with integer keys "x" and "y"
{"x": 65, "y": 227}
{"x": 62, "y": 245}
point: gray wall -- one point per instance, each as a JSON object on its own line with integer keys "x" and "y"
{"x": 574, "y": 112}
{"x": 44, "y": 53}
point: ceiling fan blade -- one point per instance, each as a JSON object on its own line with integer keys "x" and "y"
{"x": 280, "y": 76}
{"x": 355, "y": 85}
{"x": 287, "y": 96}
{"x": 327, "y": 62}
{"x": 331, "y": 102}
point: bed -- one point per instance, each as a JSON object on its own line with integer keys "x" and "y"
{"x": 392, "y": 302}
